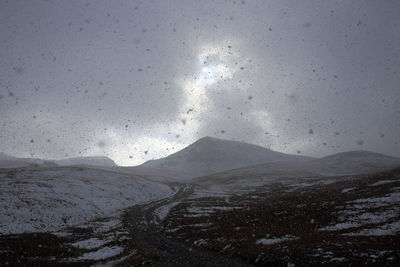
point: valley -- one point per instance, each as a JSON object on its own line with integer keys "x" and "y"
{"x": 335, "y": 211}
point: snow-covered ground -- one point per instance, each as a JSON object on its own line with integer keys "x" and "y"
{"x": 275, "y": 240}
{"x": 44, "y": 200}
{"x": 103, "y": 253}
{"x": 379, "y": 214}
{"x": 103, "y": 241}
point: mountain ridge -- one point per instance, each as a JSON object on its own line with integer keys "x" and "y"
{"x": 9, "y": 161}
{"x": 359, "y": 162}
{"x": 210, "y": 154}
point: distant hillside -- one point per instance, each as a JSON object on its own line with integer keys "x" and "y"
{"x": 4, "y": 156}
{"x": 352, "y": 162}
{"x": 347, "y": 163}
{"x": 8, "y": 161}
{"x": 89, "y": 161}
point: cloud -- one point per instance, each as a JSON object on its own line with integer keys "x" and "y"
{"x": 125, "y": 79}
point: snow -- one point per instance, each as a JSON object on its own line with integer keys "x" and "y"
{"x": 163, "y": 211}
{"x": 117, "y": 261}
{"x": 205, "y": 211}
{"x": 347, "y": 190}
{"x": 275, "y": 240}
{"x": 89, "y": 243}
{"x": 341, "y": 226}
{"x": 103, "y": 253}
{"x": 386, "y": 229}
{"x": 44, "y": 200}
{"x": 377, "y": 215}
{"x": 62, "y": 234}
{"x": 392, "y": 197}
{"x": 299, "y": 186}
{"x": 200, "y": 242}
{"x": 328, "y": 256}
{"x": 384, "y": 182}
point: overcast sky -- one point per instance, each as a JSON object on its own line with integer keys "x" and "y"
{"x": 137, "y": 80}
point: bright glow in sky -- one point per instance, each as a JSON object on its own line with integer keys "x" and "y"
{"x": 215, "y": 66}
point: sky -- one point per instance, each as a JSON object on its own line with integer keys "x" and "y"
{"x": 139, "y": 80}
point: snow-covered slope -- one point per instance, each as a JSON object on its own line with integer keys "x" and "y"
{"x": 49, "y": 199}
{"x": 210, "y": 155}
{"x": 90, "y": 161}
{"x": 8, "y": 161}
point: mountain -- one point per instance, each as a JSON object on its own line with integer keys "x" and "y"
{"x": 88, "y": 161}
{"x": 4, "y": 156}
{"x": 352, "y": 162}
{"x": 8, "y": 161}
{"x": 210, "y": 155}
{"x": 346, "y": 163}
{"x": 154, "y": 174}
